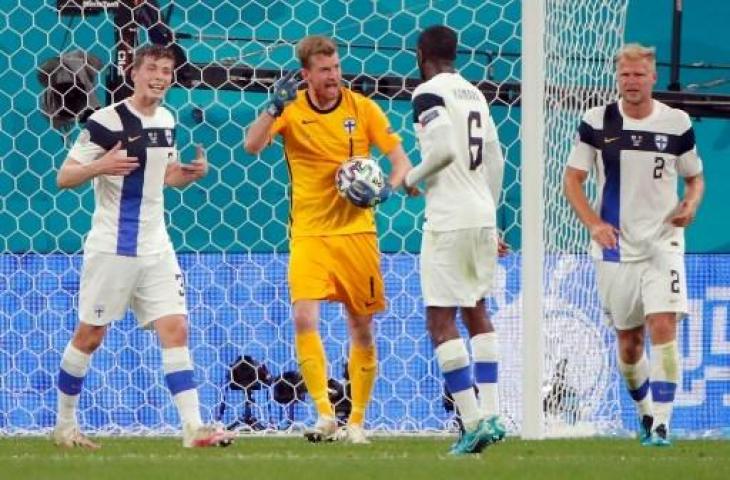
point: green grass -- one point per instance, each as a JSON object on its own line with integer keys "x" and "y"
{"x": 391, "y": 458}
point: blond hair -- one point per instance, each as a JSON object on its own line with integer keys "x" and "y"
{"x": 314, "y": 45}
{"x": 636, "y": 51}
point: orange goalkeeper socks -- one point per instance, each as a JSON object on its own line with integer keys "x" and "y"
{"x": 313, "y": 365}
{"x": 363, "y": 370}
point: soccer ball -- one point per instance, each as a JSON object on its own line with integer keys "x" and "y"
{"x": 359, "y": 168}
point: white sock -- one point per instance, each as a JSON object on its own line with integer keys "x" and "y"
{"x": 664, "y": 379}
{"x": 453, "y": 359}
{"x": 637, "y": 381}
{"x": 178, "y": 369}
{"x": 485, "y": 354}
{"x": 73, "y": 368}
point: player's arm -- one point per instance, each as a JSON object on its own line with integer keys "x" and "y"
{"x": 689, "y": 166}
{"x": 75, "y": 172}
{"x": 437, "y": 144}
{"x": 283, "y": 92}
{"x": 580, "y": 162}
{"x": 694, "y": 189}
{"x": 494, "y": 162}
{"x": 602, "y": 232}
{"x": 182, "y": 174}
{"x": 258, "y": 135}
{"x": 400, "y": 165}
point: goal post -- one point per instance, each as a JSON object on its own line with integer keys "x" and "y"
{"x": 533, "y": 87}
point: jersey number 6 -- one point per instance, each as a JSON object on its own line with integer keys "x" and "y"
{"x": 476, "y": 142}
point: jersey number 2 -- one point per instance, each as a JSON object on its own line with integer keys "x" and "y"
{"x": 476, "y": 142}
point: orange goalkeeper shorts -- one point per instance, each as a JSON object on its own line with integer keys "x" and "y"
{"x": 343, "y": 268}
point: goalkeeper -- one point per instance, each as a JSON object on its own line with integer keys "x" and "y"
{"x": 334, "y": 251}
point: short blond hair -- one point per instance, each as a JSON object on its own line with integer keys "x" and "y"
{"x": 314, "y": 45}
{"x": 636, "y": 51}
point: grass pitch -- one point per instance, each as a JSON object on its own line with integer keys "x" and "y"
{"x": 386, "y": 458}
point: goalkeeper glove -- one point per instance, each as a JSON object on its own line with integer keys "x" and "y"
{"x": 363, "y": 195}
{"x": 283, "y": 92}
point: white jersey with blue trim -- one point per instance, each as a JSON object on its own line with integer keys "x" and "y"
{"x": 458, "y": 196}
{"x": 637, "y": 163}
{"x": 128, "y": 216}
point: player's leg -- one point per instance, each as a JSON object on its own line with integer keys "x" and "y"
{"x": 665, "y": 297}
{"x": 633, "y": 365}
{"x": 619, "y": 286}
{"x": 309, "y": 282}
{"x": 359, "y": 285}
{"x": 443, "y": 257}
{"x": 74, "y": 366}
{"x": 480, "y": 250}
{"x": 159, "y": 301}
{"x": 455, "y": 365}
{"x": 363, "y": 370}
{"x": 312, "y": 362}
{"x": 485, "y": 355}
{"x": 664, "y": 371}
{"x": 100, "y": 274}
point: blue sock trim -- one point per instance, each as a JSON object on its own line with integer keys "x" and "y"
{"x": 485, "y": 372}
{"x": 180, "y": 381}
{"x": 459, "y": 380}
{"x": 663, "y": 391}
{"x": 69, "y": 384}
{"x": 640, "y": 393}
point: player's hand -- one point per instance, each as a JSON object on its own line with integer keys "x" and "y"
{"x": 363, "y": 195}
{"x": 683, "y": 214}
{"x": 605, "y": 234}
{"x": 502, "y": 247}
{"x": 283, "y": 92}
{"x": 198, "y": 168}
{"x": 116, "y": 162}
{"x": 412, "y": 191}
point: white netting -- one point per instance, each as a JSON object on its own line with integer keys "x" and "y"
{"x": 230, "y": 230}
{"x": 579, "y": 352}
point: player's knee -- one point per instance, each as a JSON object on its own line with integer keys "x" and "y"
{"x": 631, "y": 348}
{"x": 172, "y": 330}
{"x": 362, "y": 336}
{"x": 88, "y": 338}
{"x": 304, "y": 321}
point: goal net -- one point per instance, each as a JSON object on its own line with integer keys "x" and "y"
{"x": 230, "y": 230}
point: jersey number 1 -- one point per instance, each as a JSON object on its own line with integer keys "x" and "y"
{"x": 476, "y": 142}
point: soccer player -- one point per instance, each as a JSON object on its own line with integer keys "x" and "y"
{"x": 334, "y": 252}
{"x": 638, "y": 147}
{"x": 128, "y": 150}
{"x": 462, "y": 166}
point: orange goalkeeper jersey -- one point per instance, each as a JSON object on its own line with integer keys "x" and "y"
{"x": 316, "y": 143}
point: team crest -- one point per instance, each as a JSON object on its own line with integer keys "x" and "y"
{"x": 636, "y": 140}
{"x": 349, "y": 125}
{"x": 168, "y": 136}
{"x": 152, "y": 137}
{"x": 661, "y": 141}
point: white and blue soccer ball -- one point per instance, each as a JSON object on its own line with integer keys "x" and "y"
{"x": 363, "y": 169}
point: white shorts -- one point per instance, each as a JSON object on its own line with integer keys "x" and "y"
{"x": 632, "y": 290}
{"x": 457, "y": 267}
{"x": 152, "y": 285}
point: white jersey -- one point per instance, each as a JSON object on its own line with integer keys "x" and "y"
{"x": 458, "y": 196}
{"x": 637, "y": 163}
{"x": 128, "y": 216}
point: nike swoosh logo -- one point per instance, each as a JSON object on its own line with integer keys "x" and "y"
{"x": 370, "y": 304}
{"x": 307, "y": 122}
{"x": 132, "y": 139}
{"x": 610, "y": 139}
